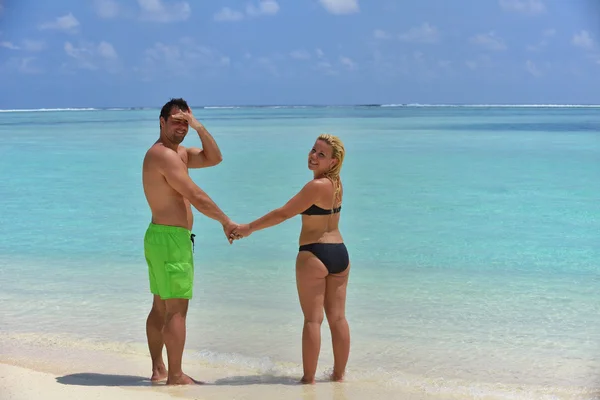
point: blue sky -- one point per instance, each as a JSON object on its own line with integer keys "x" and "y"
{"x": 125, "y": 53}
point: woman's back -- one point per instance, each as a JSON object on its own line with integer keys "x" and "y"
{"x": 323, "y": 262}
{"x": 320, "y": 221}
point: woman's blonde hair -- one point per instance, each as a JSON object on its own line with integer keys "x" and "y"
{"x": 337, "y": 152}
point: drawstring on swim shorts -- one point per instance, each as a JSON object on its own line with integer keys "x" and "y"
{"x": 192, "y": 236}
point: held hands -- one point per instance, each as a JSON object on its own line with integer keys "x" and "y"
{"x": 189, "y": 118}
{"x": 235, "y": 231}
{"x": 229, "y": 227}
{"x": 241, "y": 231}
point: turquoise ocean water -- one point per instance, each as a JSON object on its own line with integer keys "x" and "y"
{"x": 473, "y": 234}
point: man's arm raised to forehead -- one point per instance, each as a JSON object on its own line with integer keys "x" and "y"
{"x": 207, "y": 156}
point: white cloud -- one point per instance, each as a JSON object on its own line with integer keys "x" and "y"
{"x": 546, "y": 35}
{"x": 319, "y": 60}
{"x": 106, "y": 8}
{"x": 324, "y": 65}
{"x": 268, "y": 65}
{"x": 488, "y": 41}
{"x": 583, "y": 39}
{"x": 27, "y": 45}
{"x": 531, "y": 7}
{"x": 257, "y": 65}
{"x": 9, "y": 45}
{"x": 163, "y": 11}
{"x": 340, "y": 7}
{"x": 388, "y": 65}
{"x": 424, "y": 67}
{"x": 416, "y": 66}
{"x": 380, "y": 34}
{"x": 300, "y": 55}
{"x": 421, "y": 34}
{"x": 81, "y": 54}
{"x": 163, "y": 52}
{"x": 159, "y": 11}
{"x": 348, "y": 63}
{"x": 93, "y": 56}
{"x": 106, "y": 50}
{"x": 23, "y": 65}
{"x": 33, "y": 45}
{"x": 445, "y": 64}
{"x": 186, "y": 57}
{"x": 227, "y": 14}
{"x": 483, "y": 61}
{"x": 264, "y": 7}
{"x": 532, "y": 68}
{"x": 67, "y": 23}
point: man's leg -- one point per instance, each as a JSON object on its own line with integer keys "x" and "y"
{"x": 174, "y": 335}
{"x": 154, "y": 331}
{"x": 156, "y": 318}
{"x": 173, "y": 274}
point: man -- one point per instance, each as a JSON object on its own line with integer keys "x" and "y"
{"x": 168, "y": 242}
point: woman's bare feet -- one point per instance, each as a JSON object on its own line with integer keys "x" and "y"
{"x": 335, "y": 377}
{"x": 159, "y": 373}
{"x": 307, "y": 381}
{"x": 183, "y": 379}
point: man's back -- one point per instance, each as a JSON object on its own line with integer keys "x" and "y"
{"x": 168, "y": 206}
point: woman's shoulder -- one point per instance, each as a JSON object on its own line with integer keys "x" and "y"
{"x": 321, "y": 183}
{"x": 325, "y": 185}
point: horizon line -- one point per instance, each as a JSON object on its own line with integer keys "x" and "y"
{"x": 369, "y": 105}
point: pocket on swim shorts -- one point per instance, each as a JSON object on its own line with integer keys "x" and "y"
{"x": 180, "y": 279}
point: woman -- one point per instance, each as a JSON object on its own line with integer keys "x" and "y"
{"x": 322, "y": 264}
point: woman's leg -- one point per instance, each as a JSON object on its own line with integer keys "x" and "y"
{"x": 310, "y": 281}
{"x": 335, "y": 308}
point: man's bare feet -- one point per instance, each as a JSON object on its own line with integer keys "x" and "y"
{"x": 159, "y": 373}
{"x": 307, "y": 381}
{"x": 183, "y": 379}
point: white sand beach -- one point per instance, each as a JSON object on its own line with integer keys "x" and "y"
{"x": 34, "y": 366}
{"x": 58, "y": 368}
{"x": 18, "y": 383}
{"x": 52, "y": 368}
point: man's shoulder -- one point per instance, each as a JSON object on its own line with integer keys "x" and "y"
{"x": 158, "y": 151}
{"x": 160, "y": 156}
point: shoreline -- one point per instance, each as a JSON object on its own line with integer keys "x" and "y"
{"x": 64, "y": 367}
{"x": 32, "y": 364}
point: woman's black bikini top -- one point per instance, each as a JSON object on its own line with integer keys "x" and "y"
{"x": 316, "y": 210}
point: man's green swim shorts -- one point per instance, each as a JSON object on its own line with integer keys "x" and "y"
{"x": 169, "y": 254}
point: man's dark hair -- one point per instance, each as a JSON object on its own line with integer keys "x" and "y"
{"x": 180, "y": 103}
